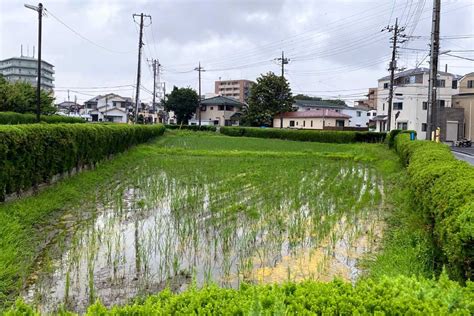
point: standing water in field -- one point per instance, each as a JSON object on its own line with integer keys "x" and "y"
{"x": 210, "y": 219}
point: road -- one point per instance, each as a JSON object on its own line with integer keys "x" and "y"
{"x": 466, "y": 154}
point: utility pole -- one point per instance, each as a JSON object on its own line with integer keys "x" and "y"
{"x": 199, "y": 69}
{"x": 39, "y": 9}
{"x": 396, "y": 30}
{"x": 140, "y": 45}
{"x": 284, "y": 61}
{"x": 156, "y": 70}
{"x": 432, "y": 110}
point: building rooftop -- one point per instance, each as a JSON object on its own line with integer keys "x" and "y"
{"x": 27, "y": 58}
{"x": 322, "y": 113}
{"x": 109, "y": 95}
{"x": 221, "y": 100}
{"x": 417, "y": 71}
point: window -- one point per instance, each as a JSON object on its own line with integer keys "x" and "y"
{"x": 212, "y": 108}
{"x": 311, "y": 123}
{"x": 454, "y": 84}
{"x": 423, "y": 127}
{"x": 359, "y": 113}
{"x": 368, "y": 113}
{"x": 385, "y": 85}
{"x": 340, "y": 123}
{"x": 425, "y": 105}
{"x": 221, "y": 108}
{"x": 470, "y": 84}
{"x": 296, "y": 122}
{"x": 398, "y": 105}
{"x": 441, "y": 103}
{"x": 402, "y": 125}
{"x": 383, "y": 106}
{"x": 292, "y": 123}
{"x": 229, "y": 108}
{"x": 441, "y": 83}
{"x": 307, "y": 109}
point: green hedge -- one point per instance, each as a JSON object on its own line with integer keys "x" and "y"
{"x": 306, "y": 135}
{"x": 31, "y": 154}
{"x": 208, "y": 128}
{"x": 397, "y": 296}
{"x": 443, "y": 188}
{"x": 390, "y": 139}
{"x": 13, "y": 118}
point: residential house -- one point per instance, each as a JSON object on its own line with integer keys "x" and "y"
{"x": 465, "y": 100}
{"x": 26, "y": 69}
{"x": 237, "y": 89}
{"x": 69, "y": 107}
{"x": 312, "y": 119}
{"x": 219, "y": 110}
{"x": 109, "y": 108}
{"x": 358, "y": 114}
{"x": 410, "y": 101}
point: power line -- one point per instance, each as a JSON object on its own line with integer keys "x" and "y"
{"x": 85, "y": 38}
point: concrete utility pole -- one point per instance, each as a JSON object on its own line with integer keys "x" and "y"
{"x": 432, "y": 110}
{"x": 284, "y": 61}
{"x": 156, "y": 70}
{"x": 199, "y": 69}
{"x": 39, "y": 9}
{"x": 140, "y": 45}
{"x": 396, "y": 30}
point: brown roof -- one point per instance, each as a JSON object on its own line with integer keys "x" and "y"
{"x": 314, "y": 114}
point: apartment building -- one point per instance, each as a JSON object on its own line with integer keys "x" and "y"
{"x": 26, "y": 69}
{"x": 410, "y": 102}
{"x": 237, "y": 89}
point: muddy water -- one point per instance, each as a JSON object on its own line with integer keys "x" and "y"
{"x": 164, "y": 233}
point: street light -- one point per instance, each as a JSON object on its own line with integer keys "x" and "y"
{"x": 38, "y": 9}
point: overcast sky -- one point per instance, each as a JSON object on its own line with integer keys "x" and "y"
{"x": 335, "y": 47}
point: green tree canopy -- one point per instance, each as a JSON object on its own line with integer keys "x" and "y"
{"x": 21, "y": 97}
{"x": 310, "y": 98}
{"x": 269, "y": 96}
{"x": 183, "y": 102}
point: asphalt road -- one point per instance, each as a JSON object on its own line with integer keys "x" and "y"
{"x": 466, "y": 154}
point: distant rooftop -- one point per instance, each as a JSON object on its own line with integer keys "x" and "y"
{"x": 319, "y": 104}
{"x": 323, "y": 113}
{"x": 221, "y": 100}
{"x": 418, "y": 71}
{"x": 27, "y": 58}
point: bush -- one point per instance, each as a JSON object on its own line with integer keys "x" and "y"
{"x": 443, "y": 188}
{"x": 306, "y": 135}
{"x": 208, "y": 128}
{"x": 13, "y": 118}
{"x": 32, "y": 154}
{"x": 390, "y": 140}
{"x": 396, "y": 296}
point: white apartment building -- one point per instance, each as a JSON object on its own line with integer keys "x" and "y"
{"x": 410, "y": 98}
{"x": 26, "y": 69}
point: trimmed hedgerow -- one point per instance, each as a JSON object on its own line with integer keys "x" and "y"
{"x": 32, "y": 154}
{"x": 13, "y": 118}
{"x": 390, "y": 296}
{"x": 443, "y": 187}
{"x": 207, "y": 128}
{"x": 306, "y": 135}
{"x": 390, "y": 139}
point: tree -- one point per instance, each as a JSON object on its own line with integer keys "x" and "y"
{"x": 183, "y": 102}
{"x": 20, "y": 97}
{"x": 329, "y": 101}
{"x": 269, "y": 96}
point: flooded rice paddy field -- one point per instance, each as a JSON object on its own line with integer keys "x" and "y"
{"x": 181, "y": 219}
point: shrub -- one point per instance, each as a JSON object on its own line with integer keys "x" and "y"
{"x": 13, "y": 118}
{"x": 209, "y": 128}
{"x": 305, "y": 135}
{"x": 390, "y": 140}
{"x": 32, "y": 154}
{"x": 443, "y": 188}
{"x": 394, "y": 296}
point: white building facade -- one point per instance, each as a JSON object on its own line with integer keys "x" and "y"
{"x": 410, "y": 99}
{"x": 108, "y": 108}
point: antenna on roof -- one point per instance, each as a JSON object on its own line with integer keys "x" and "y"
{"x": 21, "y": 51}
{"x": 33, "y": 52}
{"x": 28, "y": 50}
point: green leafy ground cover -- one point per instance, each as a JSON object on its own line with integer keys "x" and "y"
{"x": 193, "y": 158}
